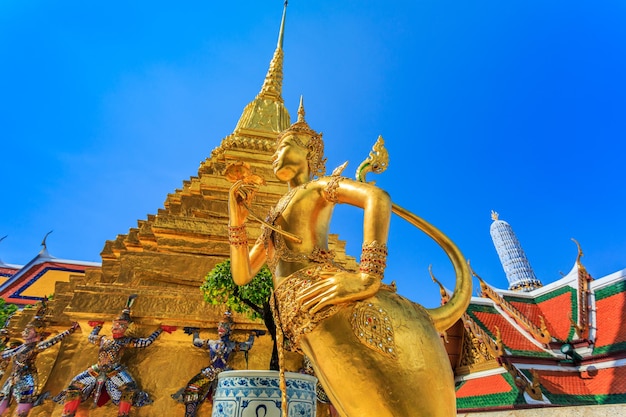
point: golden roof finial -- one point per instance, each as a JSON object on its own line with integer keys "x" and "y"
{"x": 281, "y": 33}
{"x": 494, "y": 215}
{"x": 266, "y": 115}
{"x": 483, "y": 285}
{"x": 43, "y": 242}
{"x": 580, "y": 251}
{"x": 273, "y": 84}
{"x": 444, "y": 295}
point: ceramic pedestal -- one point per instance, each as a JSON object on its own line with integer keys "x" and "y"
{"x": 257, "y": 394}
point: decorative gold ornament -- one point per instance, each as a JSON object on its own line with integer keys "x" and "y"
{"x": 377, "y": 161}
{"x": 237, "y": 235}
{"x": 374, "y": 259}
{"x": 372, "y": 326}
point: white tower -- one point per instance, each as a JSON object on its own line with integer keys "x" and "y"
{"x": 516, "y": 266}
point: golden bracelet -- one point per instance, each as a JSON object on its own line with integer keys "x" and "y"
{"x": 374, "y": 259}
{"x": 237, "y": 235}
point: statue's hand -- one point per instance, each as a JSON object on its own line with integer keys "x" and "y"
{"x": 338, "y": 287}
{"x": 190, "y": 330}
{"x": 94, "y": 323}
{"x": 240, "y": 196}
{"x": 168, "y": 329}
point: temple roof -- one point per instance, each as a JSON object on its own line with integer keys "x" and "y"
{"x": 24, "y": 284}
{"x": 533, "y": 329}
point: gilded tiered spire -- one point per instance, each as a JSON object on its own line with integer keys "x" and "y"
{"x": 266, "y": 115}
{"x": 273, "y": 84}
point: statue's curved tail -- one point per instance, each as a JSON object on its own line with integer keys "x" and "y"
{"x": 446, "y": 315}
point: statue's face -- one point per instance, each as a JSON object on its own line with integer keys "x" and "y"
{"x": 30, "y": 334}
{"x": 223, "y": 330}
{"x": 119, "y": 328}
{"x": 289, "y": 158}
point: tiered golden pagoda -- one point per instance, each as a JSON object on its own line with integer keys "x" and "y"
{"x": 164, "y": 261}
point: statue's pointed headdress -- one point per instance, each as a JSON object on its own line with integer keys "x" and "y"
{"x": 227, "y": 321}
{"x": 315, "y": 144}
{"x": 125, "y": 315}
{"x": 38, "y": 322}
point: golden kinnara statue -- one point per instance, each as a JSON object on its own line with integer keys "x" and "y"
{"x": 374, "y": 352}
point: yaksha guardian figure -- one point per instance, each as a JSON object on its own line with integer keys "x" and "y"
{"x": 201, "y": 387}
{"x": 374, "y": 352}
{"x": 22, "y": 383}
{"x": 109, "y": 378}
{"x": 4, "y": 345}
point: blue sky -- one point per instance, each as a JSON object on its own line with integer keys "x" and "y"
{"x": 516, "y": 106}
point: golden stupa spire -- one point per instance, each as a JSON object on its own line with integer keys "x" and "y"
{"x": 266, "y": 115}
{"x": 273, "y": 85}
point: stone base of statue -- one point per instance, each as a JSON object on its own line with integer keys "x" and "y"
{"x": 257, "y": 394}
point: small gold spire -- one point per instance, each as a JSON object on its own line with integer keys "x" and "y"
{"x": 281, "y": 33}
{"x": 273, "y": 84}
{"x": 494, "y": 215}
{"x": 301, "y": 110}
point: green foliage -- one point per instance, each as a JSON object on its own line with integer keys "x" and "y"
{"x": 219, "y": 288}
{"x": 5, "y": 311}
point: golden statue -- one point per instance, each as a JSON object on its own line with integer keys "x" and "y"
{"x": 373, "y": 351}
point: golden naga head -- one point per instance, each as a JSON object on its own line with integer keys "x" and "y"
{"x": 308, "y": 139}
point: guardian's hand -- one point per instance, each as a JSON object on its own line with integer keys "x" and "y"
{"x": 168, "y": 329}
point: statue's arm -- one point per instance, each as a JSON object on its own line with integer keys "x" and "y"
{"x": 142, "y": 342}
{"x": 7, "y": 353}
{"x": 245, "y": 262}
{"x": 375, "y": 202}
{"x": 334, "y": 288}
{"x": 94, "y": 336}
{"x": 56, "y": 339}
{"x": 198, "y": 341}
{"x": 247, "y": 345}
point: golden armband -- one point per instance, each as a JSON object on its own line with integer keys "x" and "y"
{"x": 373, "y": 259}
{"x": 237, "y": 235}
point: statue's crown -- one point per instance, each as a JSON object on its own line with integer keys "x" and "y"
{"x": 315, "y": 145}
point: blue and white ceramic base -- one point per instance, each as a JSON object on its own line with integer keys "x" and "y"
{"x": 257, "y": 394}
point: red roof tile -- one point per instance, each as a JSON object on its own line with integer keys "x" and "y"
{"x": 493, "y": 384}
{"x": 557, "y": 312}
{"x": 606, "y": 381}
{"x": 7, "y": 271}
{"x": 511, "y": 337}
{"x": 611, "y": 320}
